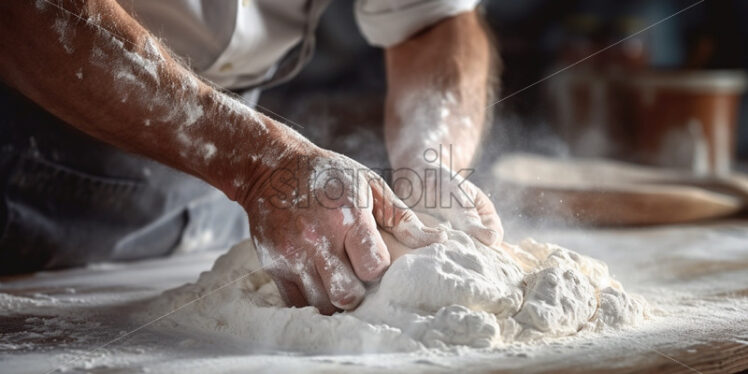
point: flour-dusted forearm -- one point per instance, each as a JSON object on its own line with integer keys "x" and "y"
{"x": 94, "y": 66}
{"x": 438, "y": 84}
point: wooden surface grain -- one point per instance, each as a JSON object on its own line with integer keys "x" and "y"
{"x": 708, "y": 263}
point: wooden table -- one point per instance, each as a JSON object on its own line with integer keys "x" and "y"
{"x": 699, "y": 264}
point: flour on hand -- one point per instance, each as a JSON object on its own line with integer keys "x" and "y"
{"x": 459, "y": 292}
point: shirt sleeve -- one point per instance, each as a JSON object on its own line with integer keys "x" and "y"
{"x": 385, "y": 23}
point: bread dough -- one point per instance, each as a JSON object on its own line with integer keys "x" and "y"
{"x": 460, "y": 292}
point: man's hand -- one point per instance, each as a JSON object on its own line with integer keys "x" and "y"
{"x": 113, "y": 80}
{"x": 438, "y": 86}
{"x": 314, "y": 217}
{"x": 446, "y": 194}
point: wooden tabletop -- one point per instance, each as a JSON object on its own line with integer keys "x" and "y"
{"x": 688, "y": 270}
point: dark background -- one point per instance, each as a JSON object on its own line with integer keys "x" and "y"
{"x": 338, "y": 97}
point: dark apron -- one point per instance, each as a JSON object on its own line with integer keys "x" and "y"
{"x": 69, "y": 200}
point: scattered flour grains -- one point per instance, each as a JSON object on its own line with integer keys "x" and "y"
{"x": 455, "y": 293}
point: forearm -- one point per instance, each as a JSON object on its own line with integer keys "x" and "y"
{"x": 107, "y": 76}
{"x": 438, "y": 84}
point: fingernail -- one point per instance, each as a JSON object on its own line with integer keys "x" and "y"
{"x": 493, "y": 236}
{"x": 352, "y": 299}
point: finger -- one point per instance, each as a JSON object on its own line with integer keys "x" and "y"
{"x": 344, "y": 289}
{"x": 413, "y": 233}
{"x": 492, "y": 221}
{"x": 489, "y": 216}
{"x": 494, "y": 224}
{"x": 394, "y": 217}
{"x": 304, "y": 267}
{"x": 366, "y": 249}
{"x": 290, "y": 293}
{"x": 313, "y": 290}
{"x": 475, "y": 227}
{"x": 297, "y": 296}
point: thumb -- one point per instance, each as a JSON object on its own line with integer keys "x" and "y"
{"x": 393, "y": 216}
{"x": 366, "y": 250}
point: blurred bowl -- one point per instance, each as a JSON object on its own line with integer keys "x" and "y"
{"x": 684, "y": 119}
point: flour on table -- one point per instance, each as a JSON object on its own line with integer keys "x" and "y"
{"x": 455, "y": 293}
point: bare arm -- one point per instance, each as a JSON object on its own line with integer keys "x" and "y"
{"x": 437, "y": 90}
{"x": 438, "y": 85}
{"x": 104, "y": 74}
{"x": 107, "y": 76}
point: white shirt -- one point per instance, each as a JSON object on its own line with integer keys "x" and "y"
{"x": 239, "y": 43}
